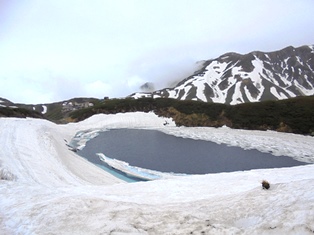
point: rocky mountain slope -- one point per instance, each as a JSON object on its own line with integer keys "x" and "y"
{"x": 57, "y": 112}
{"x": 257, "y": 76}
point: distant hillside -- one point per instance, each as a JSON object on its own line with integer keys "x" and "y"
{"x": 257, "y": 76}
{"x": 294, "y": 115}
{"x": 19, "y": 112}
{"x": 57, "y": 112}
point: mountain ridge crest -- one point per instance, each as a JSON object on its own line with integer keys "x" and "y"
{"x": 234, "y": 78}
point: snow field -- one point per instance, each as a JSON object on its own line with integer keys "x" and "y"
{"x": 54, "y": 191}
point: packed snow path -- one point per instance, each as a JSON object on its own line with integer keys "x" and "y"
{"x": 47, "y": 189}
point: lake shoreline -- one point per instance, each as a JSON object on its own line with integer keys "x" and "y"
{"x": 226, "y": 160}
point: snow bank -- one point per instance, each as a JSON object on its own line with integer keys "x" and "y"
{"x": 298, "y": 147}
{"x": 34, "y": 152}
{"x": 53, "y": 191}
{"x": 135, "y": 172}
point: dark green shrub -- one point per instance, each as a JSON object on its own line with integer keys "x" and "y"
{"x": 265, "y": 184}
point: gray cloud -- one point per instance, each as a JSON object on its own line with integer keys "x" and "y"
{"x": 111, "y": 48}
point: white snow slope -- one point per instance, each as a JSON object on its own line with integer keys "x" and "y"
{"x": 47, "y": 189}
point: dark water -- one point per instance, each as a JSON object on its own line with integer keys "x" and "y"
{"x": 155, "y": 150}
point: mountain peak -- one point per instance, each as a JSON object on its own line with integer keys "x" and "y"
{"x": 234, "y": 78}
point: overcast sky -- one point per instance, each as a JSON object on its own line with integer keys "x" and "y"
{"x": 52, "y": 50}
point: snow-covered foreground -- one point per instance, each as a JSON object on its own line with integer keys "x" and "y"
{"x": 47, "y": 189}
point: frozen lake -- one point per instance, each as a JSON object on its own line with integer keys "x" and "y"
{"x": 155, "y": 150}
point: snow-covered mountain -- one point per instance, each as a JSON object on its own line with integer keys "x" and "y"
{"x": 257, "y": 76}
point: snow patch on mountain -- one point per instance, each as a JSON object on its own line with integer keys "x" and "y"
{"x": 44, "y": 109}
{"x": 233, "y": 78}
